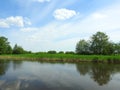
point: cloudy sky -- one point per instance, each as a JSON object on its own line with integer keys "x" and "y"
{"x": 42, "y": 25}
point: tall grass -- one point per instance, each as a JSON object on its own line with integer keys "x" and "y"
{"x": 64, "y": 57}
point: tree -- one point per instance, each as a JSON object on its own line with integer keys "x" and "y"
{"x": 69, "y": 52}
{"x": 117, "y": 48}
{"x": 18, "y": 50}
{"x": 82, "y": 47}
{"x": 61, "y": 52}
{"x": 4, "y": 46}
{"x": 9, "y": 50}
{"x": 109, "y": 49}
{"x": 99, "y": 43}
{"x": 52, "y": 52}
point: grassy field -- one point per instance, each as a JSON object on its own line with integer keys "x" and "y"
{"x": 64, "y": 57}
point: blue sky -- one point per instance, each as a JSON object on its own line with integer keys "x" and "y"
{"x": 42, "y": 25}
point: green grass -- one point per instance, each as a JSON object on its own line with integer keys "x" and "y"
{"x": 63, "y": 57}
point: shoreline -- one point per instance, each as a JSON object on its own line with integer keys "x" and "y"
{"x": 63, "y": 58}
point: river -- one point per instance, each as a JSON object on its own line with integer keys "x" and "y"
{"x": 35, "y": 75}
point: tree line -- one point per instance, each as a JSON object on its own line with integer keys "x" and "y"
{"x": 98, "y": 44}
{"x": 5, "y": 47}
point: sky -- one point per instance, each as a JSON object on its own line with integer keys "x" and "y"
{"x": 43, "y": 25}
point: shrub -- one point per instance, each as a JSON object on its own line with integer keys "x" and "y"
{"x": 61, "y": 52}
{"x": 69, "y": 52}
{"x": 52, "y": 52}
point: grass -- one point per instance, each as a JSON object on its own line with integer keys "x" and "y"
{"x": 64, "y": 57}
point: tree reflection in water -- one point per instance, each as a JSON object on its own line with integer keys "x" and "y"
{"x": 17, "y": 64}
{"x": 3, "y": 67}
{"x": 83, "y": 68}
{"x": 100, "y": 73}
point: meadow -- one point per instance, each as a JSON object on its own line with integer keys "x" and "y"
{"x": 63, "y": 57}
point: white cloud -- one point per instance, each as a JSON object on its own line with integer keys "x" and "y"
{"x": 3, "y": 24}
{"x": 99, "y": 16}
{"x": 106, "y": 20}
{"x": 17, "y": 21}
{"x": 29, "y": 29}
{"x": 27, "y": 21}
{"x": 49, "y": 37}
{"x": 63, "y": 14}
{"x": 64, "y": 36}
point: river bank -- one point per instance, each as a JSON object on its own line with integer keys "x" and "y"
{"x": 64, "y": 57}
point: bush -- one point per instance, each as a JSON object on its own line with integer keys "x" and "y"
{"x": 52, "y": 52}
{"x": 61, "y": 52}
{"x": 40, "y": 53}
{"x": 18, "y": 50}
{"x": 69, "y": 52}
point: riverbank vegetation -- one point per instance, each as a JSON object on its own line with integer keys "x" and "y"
{"x": 97, "y": 49}
{"x": 98, "y": 44}
{"x": 64, "y": 57}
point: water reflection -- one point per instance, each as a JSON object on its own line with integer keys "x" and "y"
{"x": 17, "y": 64}
{"x": 100, "y": 73}
{"x": 3, "y": 67}
{"x": 35, "y": 75}
{"x": 83, "y": 68}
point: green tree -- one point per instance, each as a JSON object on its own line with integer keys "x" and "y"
{"x": 4, "y": 46}
{"x": 99, "y": 43}
{"x": 52, "y": 52}
{"x": 9, "y": 50}
{"x": 117, "y": 48}
{"x": 61, "y": 52}
{"x": 82, "y": 47}
{"x": 18, "y": 50}
{"x": 110, "y": 48}
{"x": 69, "y": 52}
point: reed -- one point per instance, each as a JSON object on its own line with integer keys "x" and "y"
{"x": 64, "y": 57}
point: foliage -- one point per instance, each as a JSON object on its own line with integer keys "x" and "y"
{"x": 9, "y": 50}
{"x": 109, "y": 49}
{"x": 18, "y": 50}
{"x": 98, "y": 44}
{"x": 40, "y": 53}
{"x": 52, "y": 52}
{"x": 64, "y": 57}
{"x": 69, "y": 52}
{"x": 82, "y": 47}
{"x": 5, "y": 48}
{"x": 117, "y": 48}
{"x": 61, "y": 52}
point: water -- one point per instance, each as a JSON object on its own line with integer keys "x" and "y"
{"x": 28, "y": 75}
